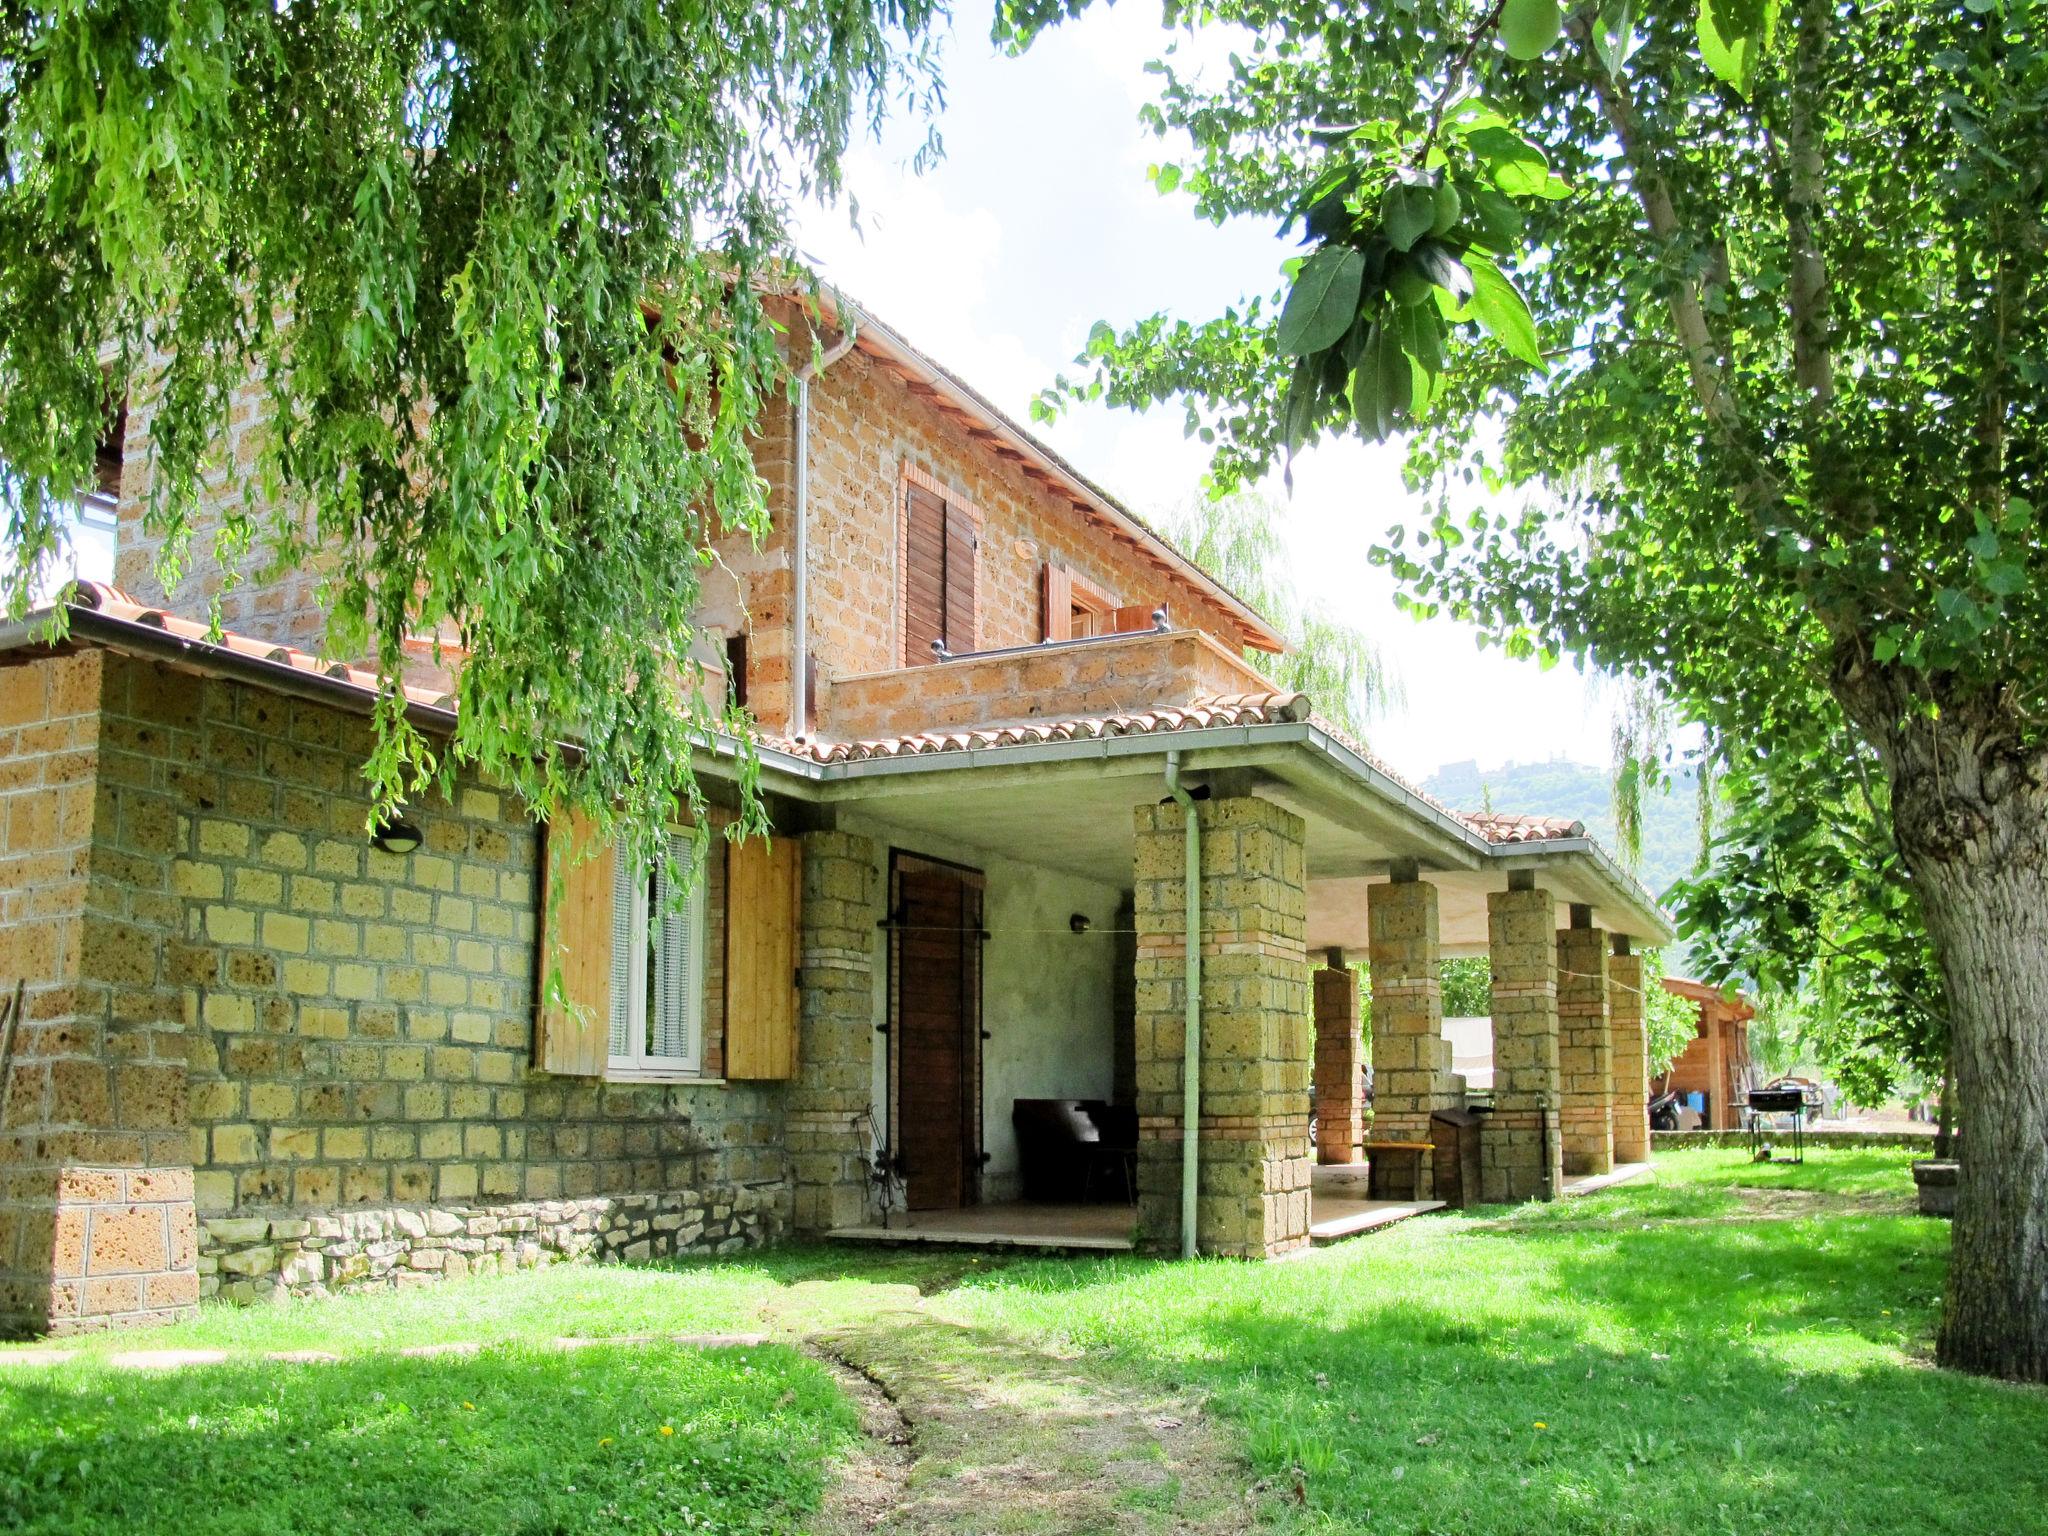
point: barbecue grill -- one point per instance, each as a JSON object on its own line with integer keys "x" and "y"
{"x": 1769, "y": 1104}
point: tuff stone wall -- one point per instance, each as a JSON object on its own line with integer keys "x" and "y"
{"x": 1631, "y": 1052}
{"x": 1520, "y": 1152}
{"x": 1340, "y": 1066}
{"x": 231, "y": 984}
{"x": 866, "y": 425}
{"x": 1256, "y": 1026}
{"x": 828, "y": 1103}
{"x": 1135, "y": 671}
{"x": 1585, "y": 1052}
{"x": 249, "y": 1258}
{"x": 96, "y": 1212}
{"x": 1411, "y": 1059}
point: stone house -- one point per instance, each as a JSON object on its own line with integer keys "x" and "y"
{"x": 256, "y": 1047}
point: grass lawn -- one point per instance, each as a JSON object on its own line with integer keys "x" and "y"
{"x": 1729, "y": 1348}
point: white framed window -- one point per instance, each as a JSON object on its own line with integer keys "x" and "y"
{"x": 657, "y": 1022}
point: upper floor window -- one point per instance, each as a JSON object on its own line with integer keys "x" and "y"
{"x": 657, "y": 963}
{"x": 940, "y": 538}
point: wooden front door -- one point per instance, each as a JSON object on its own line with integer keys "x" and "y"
{"x": 935, "y": 1031}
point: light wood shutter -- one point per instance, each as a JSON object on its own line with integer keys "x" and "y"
{"x": 1059, "y": 604}
{"x": 763, "y": 890}
{"x": 924, "y": 580}
{"x": 576, "y": 936}
{"x": 961, "y": 538}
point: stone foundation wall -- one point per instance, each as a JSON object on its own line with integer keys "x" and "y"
{"x": 253, "y": 1258}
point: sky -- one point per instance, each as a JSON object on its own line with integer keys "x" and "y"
{"x": 1039, "y": 221}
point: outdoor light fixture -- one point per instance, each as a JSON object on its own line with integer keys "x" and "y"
{"x": 395, "y": 834}
{"x": 1079, "y": 922}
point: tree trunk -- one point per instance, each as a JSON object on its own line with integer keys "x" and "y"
{"x": 1970, "y": 811}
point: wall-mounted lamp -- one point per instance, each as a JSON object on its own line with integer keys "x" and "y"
{"x": 1080, "y": 922}
{"x": 395, "y": 834}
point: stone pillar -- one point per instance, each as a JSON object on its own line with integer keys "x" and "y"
{"x": 1254, "y": 1169}
{"x": 1520, "y": 1150}
{"x": 834, "y": 1088}
{"x": 1411, "y": 1059}
{"x": 1340, "y": 1067}
{"x": 1631, "y": 1054}
{"x": 97, "y": 1227}
{"x": 1585, "y": 1056}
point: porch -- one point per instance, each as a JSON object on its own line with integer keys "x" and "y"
{"x": 1073, "y": 959}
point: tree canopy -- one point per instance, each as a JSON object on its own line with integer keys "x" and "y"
{"x": 1717, "y": 329}
{"x": 499, "y": 266}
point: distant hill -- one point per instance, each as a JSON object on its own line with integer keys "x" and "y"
{"x": 1671, "y": 838}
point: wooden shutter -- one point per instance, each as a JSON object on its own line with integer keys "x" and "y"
{"x": 924, "y": 578}
{"x": 1132, "y": 618}
{"x": 763, "y": 883}
{"x": 1059, "y": 604}
{"x": 576, "y": 930}
{"x": 961, "y": 537}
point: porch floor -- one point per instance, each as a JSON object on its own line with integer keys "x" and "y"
{"x": 1590, "y": 1183}
{"x": 1013, "y": 1224}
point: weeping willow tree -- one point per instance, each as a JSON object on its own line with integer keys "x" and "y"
{"x": 499, "y": 268}
{"x": 1237, "y": 540}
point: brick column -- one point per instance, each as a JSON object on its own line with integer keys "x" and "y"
{"x": 1254, "y": 1167}
{"x": 1411, "y": 1059}
{"x": 1631, "y": 1054}
{"x": 1520, "y": 1152}
{"x": 1585, "y": 1056}
{"x": 1340, "y": 1068}
{"x": 97, "y": 1227}
{"x": 834, "y": 1087}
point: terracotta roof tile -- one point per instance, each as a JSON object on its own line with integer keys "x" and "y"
{"x": 99, "y": 597}
{"x": 1221, "y": 710}
{"x": 1496, "y": 827}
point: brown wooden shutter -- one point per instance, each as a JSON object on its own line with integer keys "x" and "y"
{"x": 961, "y": 537}
{"x": 1132, "y": 618}
{"x": 763, "y": 885}
{"x": 924, "y": 581}
{"x": 1059, "y": 604}
{"x": 572, "y": 1037}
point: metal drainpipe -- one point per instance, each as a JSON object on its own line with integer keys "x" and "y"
{"x": 799, "y": 710}
{"x": 1191, "y": 1056}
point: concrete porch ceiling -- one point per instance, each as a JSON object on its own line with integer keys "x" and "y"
{"x": 1068, "y": 806}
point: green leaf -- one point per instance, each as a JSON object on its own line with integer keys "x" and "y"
{"x": 1501, "y": 310}
{"x": 1614, "y": 37}
{"x": 1406, "y": 215}
{"x": 2008, "y": 578}
{"x": 1885, "y": 647}
{"x": 1734, "y": 35}
{"x": 1166, "y": 177}
{"x": 1322, "y": 301}
{"x": 1516, "y": 166}
{"x": 1528, "y": 28}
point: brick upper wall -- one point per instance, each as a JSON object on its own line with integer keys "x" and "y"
{"x": 867, "y": 425}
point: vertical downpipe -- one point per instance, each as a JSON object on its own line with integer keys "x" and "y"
{"x": 799, "y": 607}
{"x": 1191, "y": 1056}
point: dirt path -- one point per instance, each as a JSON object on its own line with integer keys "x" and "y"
{"x": 971, "y": 1434}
